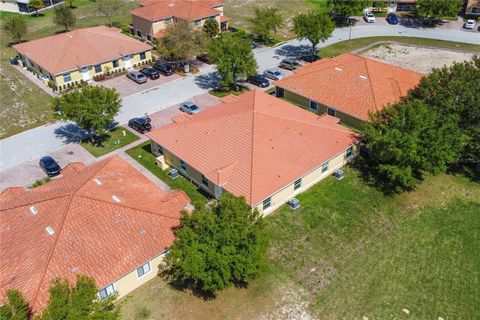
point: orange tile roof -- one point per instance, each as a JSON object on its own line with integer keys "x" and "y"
{"x": 204, "y": 3}
{"x": 93, "y": 234}
{"x": 255, "y": 144}
{"x": 78, "y": 48}
{"x": 351, "y": 84}
{"x": 185, "y": 10}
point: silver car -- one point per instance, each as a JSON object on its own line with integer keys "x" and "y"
{"x": 137, "y": 76}
{"x": 189, "y": 107}
{"x": 273, "y": 74}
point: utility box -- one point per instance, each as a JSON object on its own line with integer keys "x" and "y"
{"x": 160, "y": 160}
{"x": 294, "y": 203}
{"x": 173, "y": 173}
{"x": 339, "y": 174}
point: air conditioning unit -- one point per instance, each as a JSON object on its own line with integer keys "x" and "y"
{"x": 339, "y": 174}
{"x": 294, "y": 203}
{"x": 173, "y": 173}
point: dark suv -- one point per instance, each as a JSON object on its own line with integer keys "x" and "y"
{"x": 49, "y": 166}
{"x": 164, "y": 68}
{"x": 259, "y": 80}
{"x": 141, "y": 125}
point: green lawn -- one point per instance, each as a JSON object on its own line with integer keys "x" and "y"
{"x": 142, "y": 154}
{"x": 349, "y": 251}
{"x": 354, "y": 44}
{"x": 223, "y": 93}
{"x": 115, "y": 141}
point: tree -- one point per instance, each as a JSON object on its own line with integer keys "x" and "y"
{"x": 71, "y": 2}
{"x": 313, "y": 26}
{"x": 16, "y": 307}
{"x": 435, "y": 8}
{"x": 211, "y": 28}
{"x": 79, "y": 301}
{"x": 109, "y": 8}
{"x": 181, "y": 42}
{"x": 218, "y": 247}
{"x": 91, "y": 107}
{"x": 37, "y": 5}
{"x": 347, "y": 8}
{"x": 407, "y": 139}
{"x": 454, "y": 91}
{"x": 63, "y": 16}
{"x": 234, "y": 58}
{"x": 266, "y": 20}
{"x": 16, "y": 27}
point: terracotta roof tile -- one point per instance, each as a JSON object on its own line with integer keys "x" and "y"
{"x": 352, "y": 84}
{"x": 83, "y": 47}
{"x": 93, "y": 234}
{"x": 255, "y": 144}
{"x": 185, "y": 10}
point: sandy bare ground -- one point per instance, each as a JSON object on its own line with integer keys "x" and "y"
{"x": 416, "y": 58}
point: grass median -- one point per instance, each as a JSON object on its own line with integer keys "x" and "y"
{"x": 117, "y": 138}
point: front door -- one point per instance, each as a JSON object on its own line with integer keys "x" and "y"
{"x": 128, "y": 63}
{"x": 85, "y": 74}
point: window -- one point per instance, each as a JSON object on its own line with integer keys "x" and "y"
{"x": 297, "y": 184}
{"x": 313, "y": 105}
{"x": 204, "y": 181}
{"x": 143, "y": 270}
{"x": 280, "y": 92}
{"x": 115, "y": 63}
{"x": 183, "y": 165}
{"x": 107, "y": 291}
{"x": 159, "y": 149}
{"x": 67, "y": 77}
{"x": 139, "y": 33}
{"x": 98, "y": 68}
{"x": 196, "y": 23}
{"x": 349, "y": 152}
{"x": 267, "y": 203}
{"x": 324, "y": 167}
{"x": 475, "y": 10}
{"x": 331, "y": 112}
{"x": 143, "y": 56}
{"x": 149, "y": 37}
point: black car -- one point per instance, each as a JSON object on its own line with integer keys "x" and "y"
{"x": 204, "y": 58}
{"x": 164, "y": 68}
{"x": 310, "y": 58}
{"x": 141, "y": 125}
{"x": 259, "y": 81}
{"x": 49, "y": 166}
{"x": 151, "y": 73}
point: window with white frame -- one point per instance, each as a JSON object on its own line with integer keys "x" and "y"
{"x": 115, "y": 63}
{"x": 98, "y": 68}
{"x": 349, "y": 152}
{"x": 204, "y": 181}
{"x": 107, "y": 291}
{"x": 143, "y": 56}
{"x": 267, "y": 203}
{"x": 67, "y": 77}
{"x": 183, "y": 165}
{"x": 297, "y": 184}
{"x": 196, "y": 23}
{"x": 313, "y": 105}
{"x": 332, "y": 112}
{"x": 324, "y": 167}
{"x": 143, "y": 270}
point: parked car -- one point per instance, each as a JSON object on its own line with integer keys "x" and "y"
{"x": 369, "y": 17}
{"x": 289, "y": 64}
{"x": 392, "y": 18}
{"x": 273, "y": 74}
{"x": 204, "y": 58}
{"x": 50, "y": 166}
{"x": 151, "y": 73}
{"x": 259, "y": 81}
{"x": 189, "y": 107}
{"x": 310, "y": 58}
{"x": 164, "y": 68}
{"x": 137, "y": 76}
{"x": 469, "y": 24}
{"x": 141, "y": 125}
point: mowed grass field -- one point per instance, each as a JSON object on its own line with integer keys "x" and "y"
{"x": 349, "y": 251}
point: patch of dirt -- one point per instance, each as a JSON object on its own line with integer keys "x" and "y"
{"x": 290, "y": 304}
{"x": 416, "y": 58}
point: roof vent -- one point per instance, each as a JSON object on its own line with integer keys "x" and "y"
{"x": 363, "y": 77}
{"x": 50, "y": 230}
{"x": 171, "y": 4}
{"x": 98, "y": 182}
{"x": 115, "y": 198}
{"x": 74, "y": 269}
{"x": 338, "y": 69}
{"x": 33, "y": 210}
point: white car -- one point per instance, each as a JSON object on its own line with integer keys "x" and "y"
{"x": 469, "y": 24}
{"x": 369, "y": 17}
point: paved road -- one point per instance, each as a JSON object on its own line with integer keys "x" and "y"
{"x": 45, "y": 139}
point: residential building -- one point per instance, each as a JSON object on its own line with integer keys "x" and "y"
{"x": 398, "y": 6}
{"x": 154, "y": 16}
{"x": 105, "y": 220}
{"x": 67, "y": 59}
{"x": 348, "y": 87}
{"x": 256, "y": 146}
{"x": 472, "y": 8}
{"x": 22, "y": 6}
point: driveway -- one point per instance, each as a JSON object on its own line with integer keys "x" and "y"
{"x": 34, "y": 143}
{"x": 127, "y": 87}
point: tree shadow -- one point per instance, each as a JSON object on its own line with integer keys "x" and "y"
{"x": 208, "y": 81}
{"x": 71, "y": 133}
{"x": 294, "y": 52}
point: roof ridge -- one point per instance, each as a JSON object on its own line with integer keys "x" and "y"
{"x": 371, "y": 84}
{"x": 251, "y": 158}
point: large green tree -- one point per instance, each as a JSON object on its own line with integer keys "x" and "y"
{"x": 438, "y": 8}
{"x": 405, "y": 141}
{"x": 16, "y": 27}
{"x": 313, "y": 26}
{"x": 234, "y": 58}
{"x": 181, "y": 42}
{"x": 92, "y": 108}
{"x": 16, "y": 307}
{"x": 265, "y": 21}
{"x": 78, "y": 301}
{"x": 218, "y": 247}
{"x": 64, "y": 17}
{"x": 109, "y": 8}
{"x": 211, "y": 27}
{"x": 36, "y": 5}
{"x": 455, "y": 91}
{"x": 347, "y": 8}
